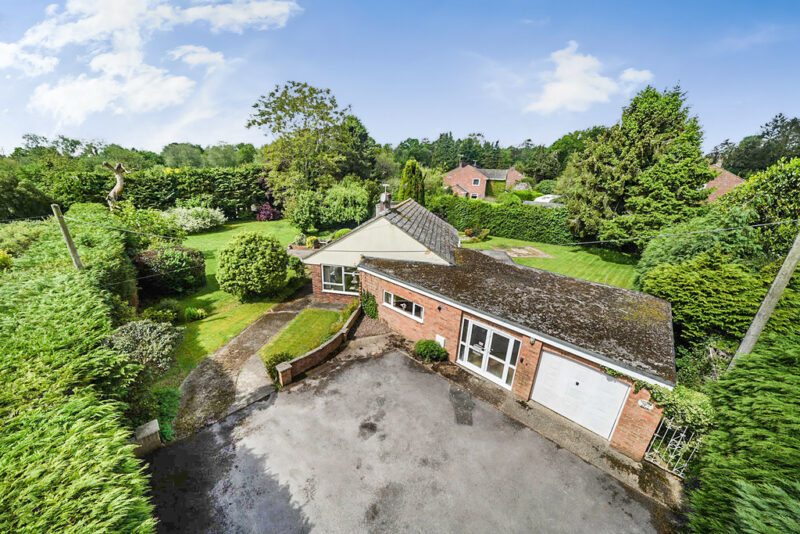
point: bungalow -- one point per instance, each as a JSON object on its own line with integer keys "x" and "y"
{"x": 470, "y": 181}
{"x": 573, "y": 346}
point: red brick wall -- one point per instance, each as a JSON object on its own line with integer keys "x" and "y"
{"x": 513, "y": 177}
{"x": 319, "y": 294}
{"x": 464, "y": 176}
{"x": 636, "y": 424}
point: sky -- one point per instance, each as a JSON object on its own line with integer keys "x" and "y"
{"x": 144, "y": 73}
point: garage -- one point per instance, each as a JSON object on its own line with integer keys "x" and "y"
{"x": 580, "y": 393}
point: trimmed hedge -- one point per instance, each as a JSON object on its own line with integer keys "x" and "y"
{"x": 530, "y": 223}
{"x": 495, "y": 188}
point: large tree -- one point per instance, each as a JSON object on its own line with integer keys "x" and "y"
{"x": 305, "y": 122}
{"x": 412, "y": 183}
{"x": 779, "y": 138}
{"x": 642, "y": 174}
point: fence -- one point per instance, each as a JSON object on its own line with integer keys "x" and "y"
{"x": 673, "y": 447}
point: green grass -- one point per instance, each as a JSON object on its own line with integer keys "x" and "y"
{"x": 595, "y": 264}
{"x": 227, "y": 317}
{"x": 310, "y": 329}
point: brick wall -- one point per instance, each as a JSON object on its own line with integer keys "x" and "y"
{"x": 464, "y": 176}
{"x": 636, "y": 424}
{"x": 513, "y": 177}
{"x": 319, "y": 294}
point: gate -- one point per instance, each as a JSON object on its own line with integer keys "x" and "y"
{"x": 672, "y": 447}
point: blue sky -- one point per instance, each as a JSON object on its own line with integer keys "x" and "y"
{"x": 148, "y": 72}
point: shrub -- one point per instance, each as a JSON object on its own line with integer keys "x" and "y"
{"x": 685, "y": 406}
{"x": 144, "y": 223}
{"x": 369, "y": 305}
{"x": 170, "y": 270}
{"x": 252, "y": 264}
{"x": 5, "y": 260}
{"x": 300, "y": 240}
{"x": 341, "y": 232}
{"x": 495, "y": 188}
{"x": 197, "y": 219}
{"x": 430, "y": 351}
{"x": 297, "y": 265}
{"x": 268, "y": 212}
{"x": 546, "y": 187}
{"x": 509, "y": 198}
{"x": 345, "y": 203}
{"x": 748, "y": 476}
{"x": 530, "y": 223}
{"x": 271, "y": 362}
{"x": 159, "y": 316}
{"x": 16, "y": 237}
{"x": 194, "y": 314}
{"x": 311, "y": 242}
{"x": 149, "y": 344}
{"x": 526, "y": 194}
{"x": 168, "y": 401}
{"x": 468, "y": 232}
{"x": 303, "y": 210}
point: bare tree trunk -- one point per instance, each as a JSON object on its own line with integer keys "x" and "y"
{"x": 119, "y": 173}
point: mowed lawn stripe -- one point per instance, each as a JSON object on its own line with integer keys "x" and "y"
{"x": 311, "y": 328}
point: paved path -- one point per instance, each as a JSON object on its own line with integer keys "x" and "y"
{"x": 380, "y": 444}
{"x": 234, "y": 376}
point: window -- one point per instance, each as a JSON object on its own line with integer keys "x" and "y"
{"x": 476, "y": 181}
{"x": 474, "y": 195}
{"x": 404, "y": 306}
{"x": 340, "y": 279}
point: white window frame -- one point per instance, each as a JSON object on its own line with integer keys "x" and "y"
{"x": 345, "y": 270}
{"x": 463, "y": 347}
{"x": 476, "y": 181}
{"x": 390, "y": 305}
{"x": 474, "y": 195}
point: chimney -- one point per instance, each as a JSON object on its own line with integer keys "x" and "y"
{"x": 386, "y": 202}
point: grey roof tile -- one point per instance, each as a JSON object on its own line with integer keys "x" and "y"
{"x": 438, "y": 235}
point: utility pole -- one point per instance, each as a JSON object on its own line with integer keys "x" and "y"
{"x": 67, "y": 237}
{"x": 769, "y": 303}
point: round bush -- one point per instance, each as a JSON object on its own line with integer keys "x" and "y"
{"x": 369, "y": 305}
{"x": 546, "y": 187}
{"x": 252, "y": 264}
{"x": 340, "y": 233}
{"x": 268, "y": 212}
{"x": 170, "y": 270}
{"x": 194, "y": 314}
{"x": 430, "y": 350}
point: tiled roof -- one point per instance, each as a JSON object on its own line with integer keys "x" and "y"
{"x": 722, "y": 183}
{"x": 628, "y": 328}
{"x": 493, "y": 174}
{"x": 438, "y": 235}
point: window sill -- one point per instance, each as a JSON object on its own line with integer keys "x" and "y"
{"x": 356, "y": 293}
{"x": 401, "y": 312}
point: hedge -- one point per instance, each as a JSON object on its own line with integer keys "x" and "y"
{"x": 232, "y": 189}
{"x": 66, "y": 464}
{"x": 495, "y": 188}
{"x": 530, "y": 223}
{"x": 749, "y": 466}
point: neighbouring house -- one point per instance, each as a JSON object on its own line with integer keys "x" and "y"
{"x": 576, "y": 347}
{"x": 722, "y": 183}
{"x": 469, "y": 181}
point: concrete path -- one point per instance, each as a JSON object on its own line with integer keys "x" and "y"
{"x": 234, "y": 376}
{"x": 381, "y": 444}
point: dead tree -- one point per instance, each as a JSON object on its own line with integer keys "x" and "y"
{"x": 119, "y": 173}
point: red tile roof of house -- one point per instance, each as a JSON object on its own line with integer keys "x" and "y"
{"x": 724, "y": 182}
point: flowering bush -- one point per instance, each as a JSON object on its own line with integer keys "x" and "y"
{"x": 149, "y": 344}
{"x": 197, "y": 219}
{"x": 268, "y": 212}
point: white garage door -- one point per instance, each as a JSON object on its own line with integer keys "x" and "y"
{"x": 589, "y": 397}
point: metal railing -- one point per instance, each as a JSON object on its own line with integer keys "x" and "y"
{"x": 673, "y": 447}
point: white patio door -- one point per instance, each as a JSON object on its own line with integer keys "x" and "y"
{"x": 488, "y": 352}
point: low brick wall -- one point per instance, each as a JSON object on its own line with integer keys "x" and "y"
{"x": 301, "y": 364}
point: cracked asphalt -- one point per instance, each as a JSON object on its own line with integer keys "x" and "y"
{"x": 377, "y": 444}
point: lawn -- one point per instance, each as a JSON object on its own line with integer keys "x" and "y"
{"x": 227, "y": 317}
{"x": 310, "y": 329}
{"x": 595, "y": 264}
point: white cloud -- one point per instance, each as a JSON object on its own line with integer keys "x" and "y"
{"x": 745, "y": 40}
{"x": 543, "y": 21}
{"x": 112, "y": 35}
{"x": 577, "y": 83}
{"x": 194, "y": 55}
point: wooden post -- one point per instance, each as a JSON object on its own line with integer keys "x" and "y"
{"x": 769, "y": 303}
{"x": 67, "y": 237}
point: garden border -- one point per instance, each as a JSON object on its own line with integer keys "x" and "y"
{"x": 316, "y": 356}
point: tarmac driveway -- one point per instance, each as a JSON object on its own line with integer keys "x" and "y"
{"x": 381, "y": 444}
